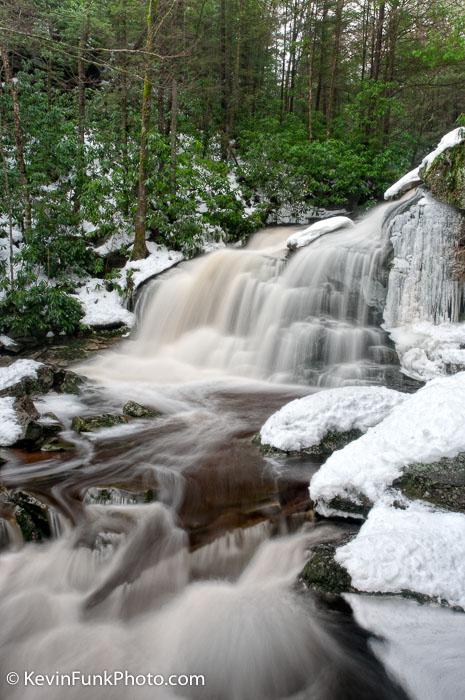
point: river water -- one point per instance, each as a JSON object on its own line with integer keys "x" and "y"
{"x": 177, "y": 544}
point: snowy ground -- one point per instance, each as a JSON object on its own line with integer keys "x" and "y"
{"x": 305, "y": 422}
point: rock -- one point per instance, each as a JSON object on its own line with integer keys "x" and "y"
{"x": 331, "y": 442}
{"x": 358, "y": 507}
{"x": 89, "y": 424}
{"x": 36, "y": 430}
{"x": 31, "y": 516}
{"x": 323, "y": 573}
{"x": 56, "y": 444}
{"x": 441, "y": 483}
{"x": 67, "y": 382}
{"x": 446, "y": 176}
{"x": 136, "y": 410}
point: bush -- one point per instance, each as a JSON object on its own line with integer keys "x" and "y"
{"x": 36, "y": 310}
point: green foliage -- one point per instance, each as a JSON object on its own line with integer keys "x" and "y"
{"x": 38, "y": 309}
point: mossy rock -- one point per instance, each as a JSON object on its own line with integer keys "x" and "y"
{"x": 89, "y": 424}
{"x": 446, "y": 176}
{"x": 31, "y": 516}
{"x": 323, "y": 574}
{"x": 66, "y": 382}
{"x": 137, "y": 410}
{"x": 358, "y": 506}
{"x": 331, "y": 442}
{"x": 441, "y": 483}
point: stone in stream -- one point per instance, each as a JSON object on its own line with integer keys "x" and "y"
{"x": 89, "y": 424}
{"x": 136, "y": 410}
{"x": 441, "y": 483}
{"x": 323, "y": 574}
{"x": 31, "y": 516}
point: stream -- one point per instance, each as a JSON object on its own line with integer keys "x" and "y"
{"x": 177, "y": 543}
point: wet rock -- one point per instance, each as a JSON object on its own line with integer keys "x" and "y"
{"x": 89, "y": 424}
{"x": 357, "y": 506}
{"x": 441, "y": 483}
{"x": 137, "y": 410}
{"x": 323, "y": 574}
{"x": 31, "y": 516}
{"x": 37, "y": 429}
{"x": 57, "y": 444}
{"x": 67, "y": 382}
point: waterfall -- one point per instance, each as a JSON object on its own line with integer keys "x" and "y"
{"x": 311, "y": 317}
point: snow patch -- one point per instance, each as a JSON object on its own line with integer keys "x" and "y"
{"x": 417, "y": 549}
{"x": 18, "y": 370}
{"x": 10, "y": 429}
{"x": 305, "y": 422}
{"x": 450, "y": 140}
{"x": 425, "y": 427}
{"x": 101, "y": 307}
{"x": 319, "y": 228}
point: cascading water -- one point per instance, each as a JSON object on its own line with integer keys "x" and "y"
{"x": 312, "y": 319}
{"x": 179, "y": 544}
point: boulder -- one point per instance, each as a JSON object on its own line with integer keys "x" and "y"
{"x": 90, "y": 424}
{"x": 441, "y": 483}
{"x": 137, "y": 410}
{"x": 323, "y": 574}
{"x": 445, "y": 177}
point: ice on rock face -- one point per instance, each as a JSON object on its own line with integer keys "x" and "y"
{"x": 423, "y": 290}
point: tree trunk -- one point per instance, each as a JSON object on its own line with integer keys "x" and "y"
{"x": 7, "y": 192}
{"x": 19, "y": 139}
{"x": 174, "y": 131}
{"x": 335, "y": 63}
{"x": 140, "y": 248}
{"x": 224, "y": 83}
{"x": 81, "y": 110}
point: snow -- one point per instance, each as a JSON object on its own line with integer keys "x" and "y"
{"x": 117, "y": 240}
{"x": 101, "y": 307}
{"x": 453, "y": 138}
{"x": 304, "y": 422}
{"x": 426, "y": 426}
{"x": 421, "y": 645}
{"x": 160, "y": 259}
{"x": 8, "y": 342}
{"x": 319, "y": 228}
{"x": 18, "y": 370}
{"x": 10, "y": 429}
{"x": 407, "y": 182}
{"x": 416, "y": 549}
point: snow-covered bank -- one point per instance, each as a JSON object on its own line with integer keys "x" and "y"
{"x": 417, "y": 549}
{"x": 102, "y": 308}
{"x": 304, "y": 422}
{"x": 160, "y": 258}
{"x": 426, "y": 426}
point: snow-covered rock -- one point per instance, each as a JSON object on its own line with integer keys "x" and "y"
{"x": 407, "y": 182}
{"x": 426, "y": 426}
{"x": 8, "y": 343}
{"x": 10, "y": 428}
{"x": 450, "y": 140}
{"x": 319, "y": 228}
{"x": 415, "y": 177}
{"x": 415, "y": 549}
{"x": 304, "y": 422}
{"x": 102, "y": 309}
{"x": 14, "y": 373}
